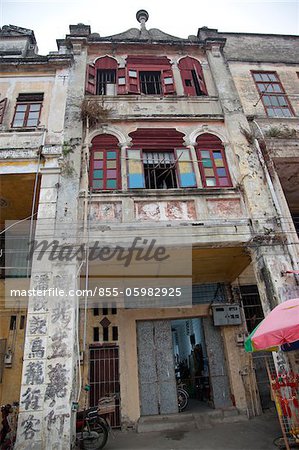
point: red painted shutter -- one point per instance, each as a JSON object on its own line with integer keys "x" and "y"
{"x": 121, "y": 81}
{"x": 133, "y": 86}
{"x": 186, "y": 65}
{"x": 168, "y": 81}
{"x": 188, "y": 84}
{"x": 90, "y": 86}
{"x": 2, "y": 109}
{"x": 201, "y": 80}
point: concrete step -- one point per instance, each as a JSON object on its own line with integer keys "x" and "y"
{"x": 189, "y": 421}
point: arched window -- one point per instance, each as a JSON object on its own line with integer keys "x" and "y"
{"x": 105, "y": 163}
{"x": 158, "y": 159}
{"x": 212, "y": 161}
{"x": 101, "y": 77}
{"x": 192, "y": 77}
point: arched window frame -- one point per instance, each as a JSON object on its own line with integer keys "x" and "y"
{"x": 93, "y": 82}
{"x": 212, "y": 162}
{"x": 192, "y": 77}
{"x": 105, "y": 165}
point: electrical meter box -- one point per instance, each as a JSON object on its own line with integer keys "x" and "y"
{"x": 226, "y": 314}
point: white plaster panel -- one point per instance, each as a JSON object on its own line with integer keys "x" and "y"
{"x": 48, "y": 195}
{"x": 49, "y": 180}
{"x": 46, "y": 211}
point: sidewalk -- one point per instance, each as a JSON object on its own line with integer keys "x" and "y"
{"x": 255, "y": 434}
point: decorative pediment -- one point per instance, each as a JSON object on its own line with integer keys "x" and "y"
{"x": 135, "y": 34}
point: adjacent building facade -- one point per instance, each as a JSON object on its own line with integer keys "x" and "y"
{"x": 185, "y": 140}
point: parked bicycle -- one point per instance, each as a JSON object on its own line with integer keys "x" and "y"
{"x": 183, "y": 396}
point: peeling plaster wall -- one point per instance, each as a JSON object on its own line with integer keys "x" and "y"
{"x": 172, "y": 210}
{"x": 241, "y": 72}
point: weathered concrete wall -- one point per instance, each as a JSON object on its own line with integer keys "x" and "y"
{"x": 52, "y": 84}
{"x": 49, "y": 380}
{"x": 261, "y": 47}
{"x": 14, "y": 46}
{"x": 249, "y": 95}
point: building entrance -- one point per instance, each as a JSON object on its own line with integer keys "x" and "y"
{"x": 189, "y": 350}
{"x": 191, "y": 360}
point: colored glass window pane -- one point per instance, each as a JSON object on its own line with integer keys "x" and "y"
{"x": 188, "y": 180}
{"x": 221, "y": 172}
{"x": 98, "y": 155}
{"x": 185, "y": 167}
{"x": 111, "y": 184}
{"x": 207, "y": 163}
{"x": 136, "y": 180}
{"x": 208, "y": 172}
{"x": 205, "y": 154}
{"x": 97, "y": 184}
{"x": 111, "y": 173}
{"x": 224, "y": 182}
{"x": 135, "y": 167}
{"x": 211, "y": 182}
{"x": 111, "y": 164}
{"x": 217, "y": 155}
{"x": 98, "y": 164}
{"x": 98, "y": 173}
{"x": 219, "y": 163}
{"x": 111, "y": 155}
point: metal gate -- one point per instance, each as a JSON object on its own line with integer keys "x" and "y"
{"x": 157, "y": 385}
{"x": 104, "y": 377}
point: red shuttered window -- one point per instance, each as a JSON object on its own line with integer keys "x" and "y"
{"x": 149, "y": 75}
{"x": 101, "y": 77}
{"x": 192, "y": 77}
{"x": 212, "y": 161}
{"x": 3, "y": 104}
{"x": 90, "y": 86}
{"x": 105, "y": 163}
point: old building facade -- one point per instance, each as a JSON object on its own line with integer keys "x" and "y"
{"x": 158, "y": 138}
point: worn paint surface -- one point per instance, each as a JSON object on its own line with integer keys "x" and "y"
{"x": 106, "y": 212}
{"x": 171, "y": 210}
{"x": 229, "y": 208}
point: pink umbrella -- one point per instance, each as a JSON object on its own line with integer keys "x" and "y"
{"x": 280, "y": 326}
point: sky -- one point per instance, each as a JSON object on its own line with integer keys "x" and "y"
{"x": 50, "y": 20}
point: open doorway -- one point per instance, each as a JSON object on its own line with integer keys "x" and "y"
{"x": 191, "y": 361}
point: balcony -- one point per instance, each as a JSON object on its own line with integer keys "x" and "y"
{"x": 131, "y": 107}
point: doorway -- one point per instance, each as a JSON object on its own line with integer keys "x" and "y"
{"x": 189, "y": 349}
{"x": 191, "y": 361}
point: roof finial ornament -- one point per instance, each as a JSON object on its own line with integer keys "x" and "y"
{"x": 142, "y": 17}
